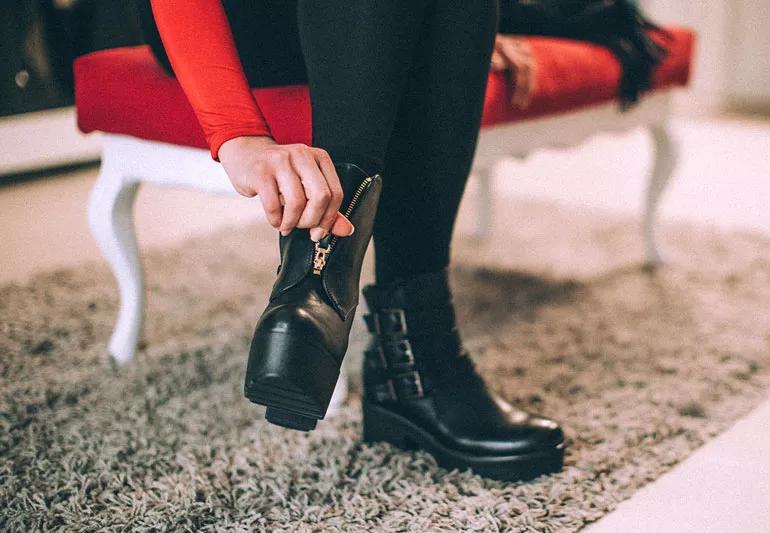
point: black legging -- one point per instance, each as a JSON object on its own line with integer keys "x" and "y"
{"x": 397, "y": 87}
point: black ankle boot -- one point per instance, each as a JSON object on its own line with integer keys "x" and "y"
{"x": 302, "y": 335}
{"x": 421, "y": 390}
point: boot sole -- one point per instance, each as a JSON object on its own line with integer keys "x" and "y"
{"x": 382, "y": 425}
{"x": 293, "y": 379}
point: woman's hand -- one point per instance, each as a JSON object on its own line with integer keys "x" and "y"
{"x": 513, "y": 54}
{"x": 296, "y": 183}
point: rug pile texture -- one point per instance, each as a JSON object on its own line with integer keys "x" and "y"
{"x": 640, "y": 367}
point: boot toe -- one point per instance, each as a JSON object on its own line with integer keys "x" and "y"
{"x": 546, "y": 433}
{"x": 537, "y": 435}
{"x": 514, "y": 432}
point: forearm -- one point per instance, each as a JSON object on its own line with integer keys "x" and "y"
{"x": 196, "y": 35}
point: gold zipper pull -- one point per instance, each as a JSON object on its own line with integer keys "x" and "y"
{"x": 319, "y": 259}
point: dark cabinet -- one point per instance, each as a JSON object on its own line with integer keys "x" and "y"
{"x": 40, "y": 38}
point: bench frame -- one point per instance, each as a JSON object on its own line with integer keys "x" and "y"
{"x": 128, "y": 162}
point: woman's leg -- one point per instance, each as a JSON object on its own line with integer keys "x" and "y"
{"x": 398, "y": 87}
{"x": 358, "y": 55}
{"x": 431, "y": 149}
{"x": 420, "y": 386}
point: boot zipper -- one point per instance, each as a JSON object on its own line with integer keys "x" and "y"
{"x": 321, "y": 252}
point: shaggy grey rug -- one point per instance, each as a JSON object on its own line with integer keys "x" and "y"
{"x": 640, "y": 367}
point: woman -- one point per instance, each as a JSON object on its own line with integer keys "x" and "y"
{"x": 397, "y": 88}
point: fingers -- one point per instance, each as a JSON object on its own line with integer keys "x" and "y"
{"x": 342, "y": 227}
{"x": 528, "y": 85}
{"x": 298, "y": 187}
{"x": 498, "y": 61}
{"x": 316, "y": 188}
{"x": 329, "y": 216}
{"x": 293, "y": 194}
{"x": 271, "y": 202}
{"x": 524, "y": 84}
{"x": 517, "y": 54}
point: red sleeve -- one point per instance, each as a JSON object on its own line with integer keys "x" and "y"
{"x": 201, "y": 49}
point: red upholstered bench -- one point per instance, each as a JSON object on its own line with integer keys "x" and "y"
{"x": 151, "y": 135}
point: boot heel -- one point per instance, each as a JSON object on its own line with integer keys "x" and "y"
{"x": 292, "y": 378}
{"x": 289, "y": 419}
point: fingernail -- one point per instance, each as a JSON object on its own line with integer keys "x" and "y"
{"x": 352, "y": 230}
{"x": 316, "y": 234}
{"x": 285, "y": 232}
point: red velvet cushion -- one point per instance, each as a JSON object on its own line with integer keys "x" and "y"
{"x": 124, "y": 91}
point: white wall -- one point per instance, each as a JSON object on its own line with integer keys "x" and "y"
{"x": 732, "y": 61}
{"x": 748, "y": 73}
{"x": 710, "y": 23}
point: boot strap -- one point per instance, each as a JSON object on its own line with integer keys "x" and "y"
{"x": 402, "y": 322}
{"x": 386, "y": 322}
{"x": 405, "y": 386}
{"x": 393, "y": 353}
{"x": 395, "y": 356}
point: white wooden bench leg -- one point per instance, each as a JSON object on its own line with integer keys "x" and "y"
{"x": 482, "y": 224}
{"x": 110, "y": 216}
{"x": 666, "y": 154}
{"x": 340, "y": 394}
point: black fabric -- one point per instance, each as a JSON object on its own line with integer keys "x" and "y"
{"x": 615, "y": 24}
{"x": 150, "y": 34}
{"x": 265, "y": 34}
{"x": 397, "y": 88}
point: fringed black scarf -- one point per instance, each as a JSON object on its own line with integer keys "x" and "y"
{"x": 615, "y": 24}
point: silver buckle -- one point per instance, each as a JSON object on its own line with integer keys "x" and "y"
{"x": 385, "y": 391}
{"x": 400, "y": 322}
{"x": 402, "y": 357}
{"x": 408, "y": 379}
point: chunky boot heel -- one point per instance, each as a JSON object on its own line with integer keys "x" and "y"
{"x": 291, "y": 375}
{"x": 302, "y": 336}
{"x": 422, "y": 391}
{"x": 290, "y": 419}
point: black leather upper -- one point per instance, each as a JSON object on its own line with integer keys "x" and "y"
{"x": 340, "y": 276}
{"x": 320, "y": 308}
{"x": 416, "y": 366}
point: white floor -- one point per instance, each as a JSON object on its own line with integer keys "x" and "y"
{"x": 722, "y": 487}
{"x": 723, "y": 179}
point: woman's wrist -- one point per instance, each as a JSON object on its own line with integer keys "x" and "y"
{"x": 251, "y": 141}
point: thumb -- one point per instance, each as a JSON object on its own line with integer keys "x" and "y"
{"x": 342, "y": 226}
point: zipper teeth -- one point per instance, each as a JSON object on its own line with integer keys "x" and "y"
{"x": 357, "y": 194}
{"x": 352, "y": 204}
{"x": 348, "y": 211}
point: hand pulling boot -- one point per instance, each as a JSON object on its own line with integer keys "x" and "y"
{"x": 421, "y": 390}
{"x": 301, "y": 337}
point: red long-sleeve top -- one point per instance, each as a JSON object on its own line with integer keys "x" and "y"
{"x": 200, "y": 46}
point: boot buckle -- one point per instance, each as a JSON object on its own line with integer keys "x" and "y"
{"x": 399, "y": 355}
{"x": 407, "y": 386}
{"x": 396, "y": 356}
{"x": 390, "y": 321}
{"x": 385, "y": 392}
